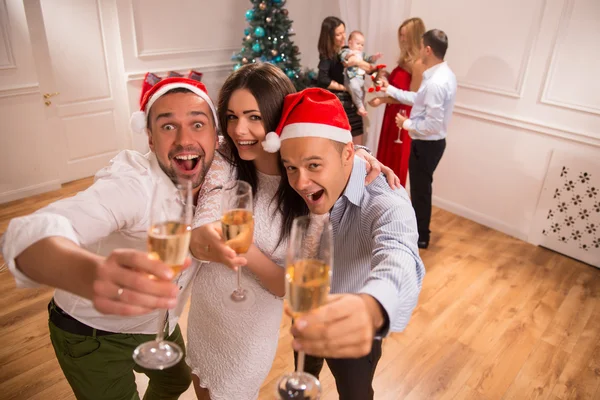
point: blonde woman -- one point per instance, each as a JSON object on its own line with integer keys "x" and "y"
{"x": 407, "y": 76}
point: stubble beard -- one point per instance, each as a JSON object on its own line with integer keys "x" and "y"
{"x": 205, "y": 164}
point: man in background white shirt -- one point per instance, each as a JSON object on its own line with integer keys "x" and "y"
{"x": 428, "y": 124}
{"x": 93, "y": 248}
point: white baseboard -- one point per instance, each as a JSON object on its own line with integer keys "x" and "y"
{"x": 27, "y": 191}
{"x": 479, "y": 218}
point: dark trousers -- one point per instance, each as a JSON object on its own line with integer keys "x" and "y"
{"x": 424, "y": 158}
{"x": 353, "y": 376}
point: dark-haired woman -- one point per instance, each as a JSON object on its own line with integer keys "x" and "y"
{"x": 331, "y": 71}
{"x": 230, "y": 352}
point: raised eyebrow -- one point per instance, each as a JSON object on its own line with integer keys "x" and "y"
{"x": 197, "y": 113}
{"x": 244, "y": 112}
{"x": 312, "y": 158}
{"x": 163, "y": 115}
{"x": 287, "y": 163}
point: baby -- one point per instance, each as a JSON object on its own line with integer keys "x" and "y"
{"x": 354, "y": 77}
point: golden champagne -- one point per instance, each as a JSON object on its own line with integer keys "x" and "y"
{"x": 238, "y": 228}
{"x": 170, "y": 242}
{"x": 307, "y": 285}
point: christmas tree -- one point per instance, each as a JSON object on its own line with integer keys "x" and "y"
{"x": 267, "y": 39}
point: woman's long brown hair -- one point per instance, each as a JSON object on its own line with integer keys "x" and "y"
{"x": 327, "y": 37}
{"x": 269, "y": 86}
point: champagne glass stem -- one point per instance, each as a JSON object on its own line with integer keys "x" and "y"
{"x": 239, "y": 279}
{"x": 162, "y": 325}
{"x": 163, "y": 319}
{"x": 300, "y": 364}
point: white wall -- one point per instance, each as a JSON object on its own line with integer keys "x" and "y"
{"x": 378, "y": 20}
{"x": 307, "y": 16}
{"x": 188, "y": 34}
{"x": 203, "y": 37}
{"x": 26, "y": 156}
{"x": 528, "y": 86}
{"x": 199, "y": 35}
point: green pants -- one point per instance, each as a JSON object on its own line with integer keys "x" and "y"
{"x": 102, "y": 367}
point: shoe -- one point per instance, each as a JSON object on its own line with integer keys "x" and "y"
{"x": 423, "y": 244}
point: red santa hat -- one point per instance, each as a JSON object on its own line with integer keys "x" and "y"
{"x": 151, "y": 93}
{"x": 313, "y": 112}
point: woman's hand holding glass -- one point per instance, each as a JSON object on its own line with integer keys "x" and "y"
{"x": 237, "y": 228}
{"x": 207, "y": 244}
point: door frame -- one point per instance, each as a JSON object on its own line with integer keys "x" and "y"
{"x": 107, "y": 10}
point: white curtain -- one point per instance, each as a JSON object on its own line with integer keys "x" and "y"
{"x": 378, "y": 20}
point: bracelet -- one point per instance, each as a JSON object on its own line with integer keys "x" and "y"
{"x": 197, "y": 259}
{"x": 360, "y": 147}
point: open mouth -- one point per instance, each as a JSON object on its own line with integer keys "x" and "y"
{"x": 246, "y": 143}
{"x": 315, "y": 196}
{"x": 187, "y": 162}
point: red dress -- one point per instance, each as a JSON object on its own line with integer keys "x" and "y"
{"x": 395, "y": 155}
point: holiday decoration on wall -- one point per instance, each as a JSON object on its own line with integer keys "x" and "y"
{"x": 568, "y": 215}
{"x": 151, "y": 79}
{"x": 267, "y": 39}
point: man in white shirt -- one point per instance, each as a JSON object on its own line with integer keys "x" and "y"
{"x": 428, "y": 124}
{"x": 92, "y": 248}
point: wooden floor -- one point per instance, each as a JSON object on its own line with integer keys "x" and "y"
{"x": 497, "y": 319}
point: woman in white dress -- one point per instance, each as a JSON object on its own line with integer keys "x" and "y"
{"x": 230, "y": 351}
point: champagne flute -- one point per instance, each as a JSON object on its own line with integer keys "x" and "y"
{"x": 403, "y": 113}
{"x": 308, "y": 275}
{"x": 169, "y": 236}
{"x": 237, "y": 222}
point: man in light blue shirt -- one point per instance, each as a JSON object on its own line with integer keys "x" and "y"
{"x": 428, "y": 124}
{"x": 377, "y": 271}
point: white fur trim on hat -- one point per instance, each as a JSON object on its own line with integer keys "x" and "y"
{"x": 308, "y": 129}
{"x": 137, "y": 122}
{"x": 271, "y": 143}
{"x": 192, "y": 88}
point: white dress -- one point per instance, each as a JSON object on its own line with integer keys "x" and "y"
{"x": 231, "y": 351}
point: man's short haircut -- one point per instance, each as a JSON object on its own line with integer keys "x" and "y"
{"x": 438, "y": 41}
